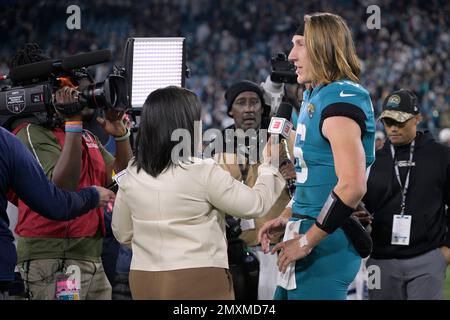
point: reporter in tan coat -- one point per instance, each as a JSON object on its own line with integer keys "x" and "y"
{"x": 171, "y": 212}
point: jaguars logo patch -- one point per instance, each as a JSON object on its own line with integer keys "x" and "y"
{"x": 310, "y": 109}
{"x": 393, "y": 101}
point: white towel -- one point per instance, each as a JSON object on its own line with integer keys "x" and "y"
{"x": 287, "y": 280}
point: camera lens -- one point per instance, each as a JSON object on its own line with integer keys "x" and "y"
{"x": 110, "y": 94}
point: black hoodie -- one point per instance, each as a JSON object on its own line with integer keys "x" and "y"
{"x": 426, "y": 200}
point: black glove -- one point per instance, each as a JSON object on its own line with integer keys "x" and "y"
{"x": 358, "y": 235}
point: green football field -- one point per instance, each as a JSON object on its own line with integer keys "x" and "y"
{"x": 447, "y": 285}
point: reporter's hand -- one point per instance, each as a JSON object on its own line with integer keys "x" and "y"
{"x": 113, "y": 123}
{"x": 267, "y": 151}
{"x": 271, "y": 229}
{"x": 105, "y": 196}
{"x": 271, "y": 153}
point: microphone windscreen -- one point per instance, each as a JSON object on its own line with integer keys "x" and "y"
{"x": 86, "y": 59}
{"x": 284, "y": 111}
{"x": 31, "y": 71}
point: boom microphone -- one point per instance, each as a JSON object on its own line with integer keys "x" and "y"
{"x": 31, "y": 71}
{"x": 45, "y": 68}
{"x": 86, "y": 59}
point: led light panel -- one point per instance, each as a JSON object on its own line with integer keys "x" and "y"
{"x": 153, "y": 63}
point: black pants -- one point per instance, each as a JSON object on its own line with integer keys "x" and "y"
{"x": 244, "y": 268}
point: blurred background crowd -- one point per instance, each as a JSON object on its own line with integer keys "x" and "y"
{"x": 229, "y": 40}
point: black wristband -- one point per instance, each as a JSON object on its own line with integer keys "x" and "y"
{"x": 333, "y": 213}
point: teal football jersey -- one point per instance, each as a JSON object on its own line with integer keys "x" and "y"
{"x": 314, "y": 164}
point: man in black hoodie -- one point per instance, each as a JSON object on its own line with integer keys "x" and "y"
{"x": 407, "y": 193}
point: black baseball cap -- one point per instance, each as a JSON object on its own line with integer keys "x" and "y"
{"x": 400, "y": 105}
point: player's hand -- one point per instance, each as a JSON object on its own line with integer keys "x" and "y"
{"x": 290, "y": 251}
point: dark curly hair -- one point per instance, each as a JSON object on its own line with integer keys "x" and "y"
{"x": 30, "y": 53}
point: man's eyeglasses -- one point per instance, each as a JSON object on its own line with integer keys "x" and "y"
{"x": 388, "y": 122}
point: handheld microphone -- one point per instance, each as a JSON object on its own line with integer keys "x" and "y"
{"x": 281, "y": 125}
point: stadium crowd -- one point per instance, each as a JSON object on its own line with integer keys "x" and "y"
{"x": 233, "y": 39}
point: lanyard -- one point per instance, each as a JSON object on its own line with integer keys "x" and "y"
{"x": 397, "y": 173}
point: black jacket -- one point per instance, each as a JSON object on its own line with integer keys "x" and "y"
{"x": 428, "y": 195}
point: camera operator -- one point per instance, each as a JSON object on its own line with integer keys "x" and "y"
{"x": 72, "y": 158}
{"x": 247, "y": 107}
{"x": 282, "y": 86}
